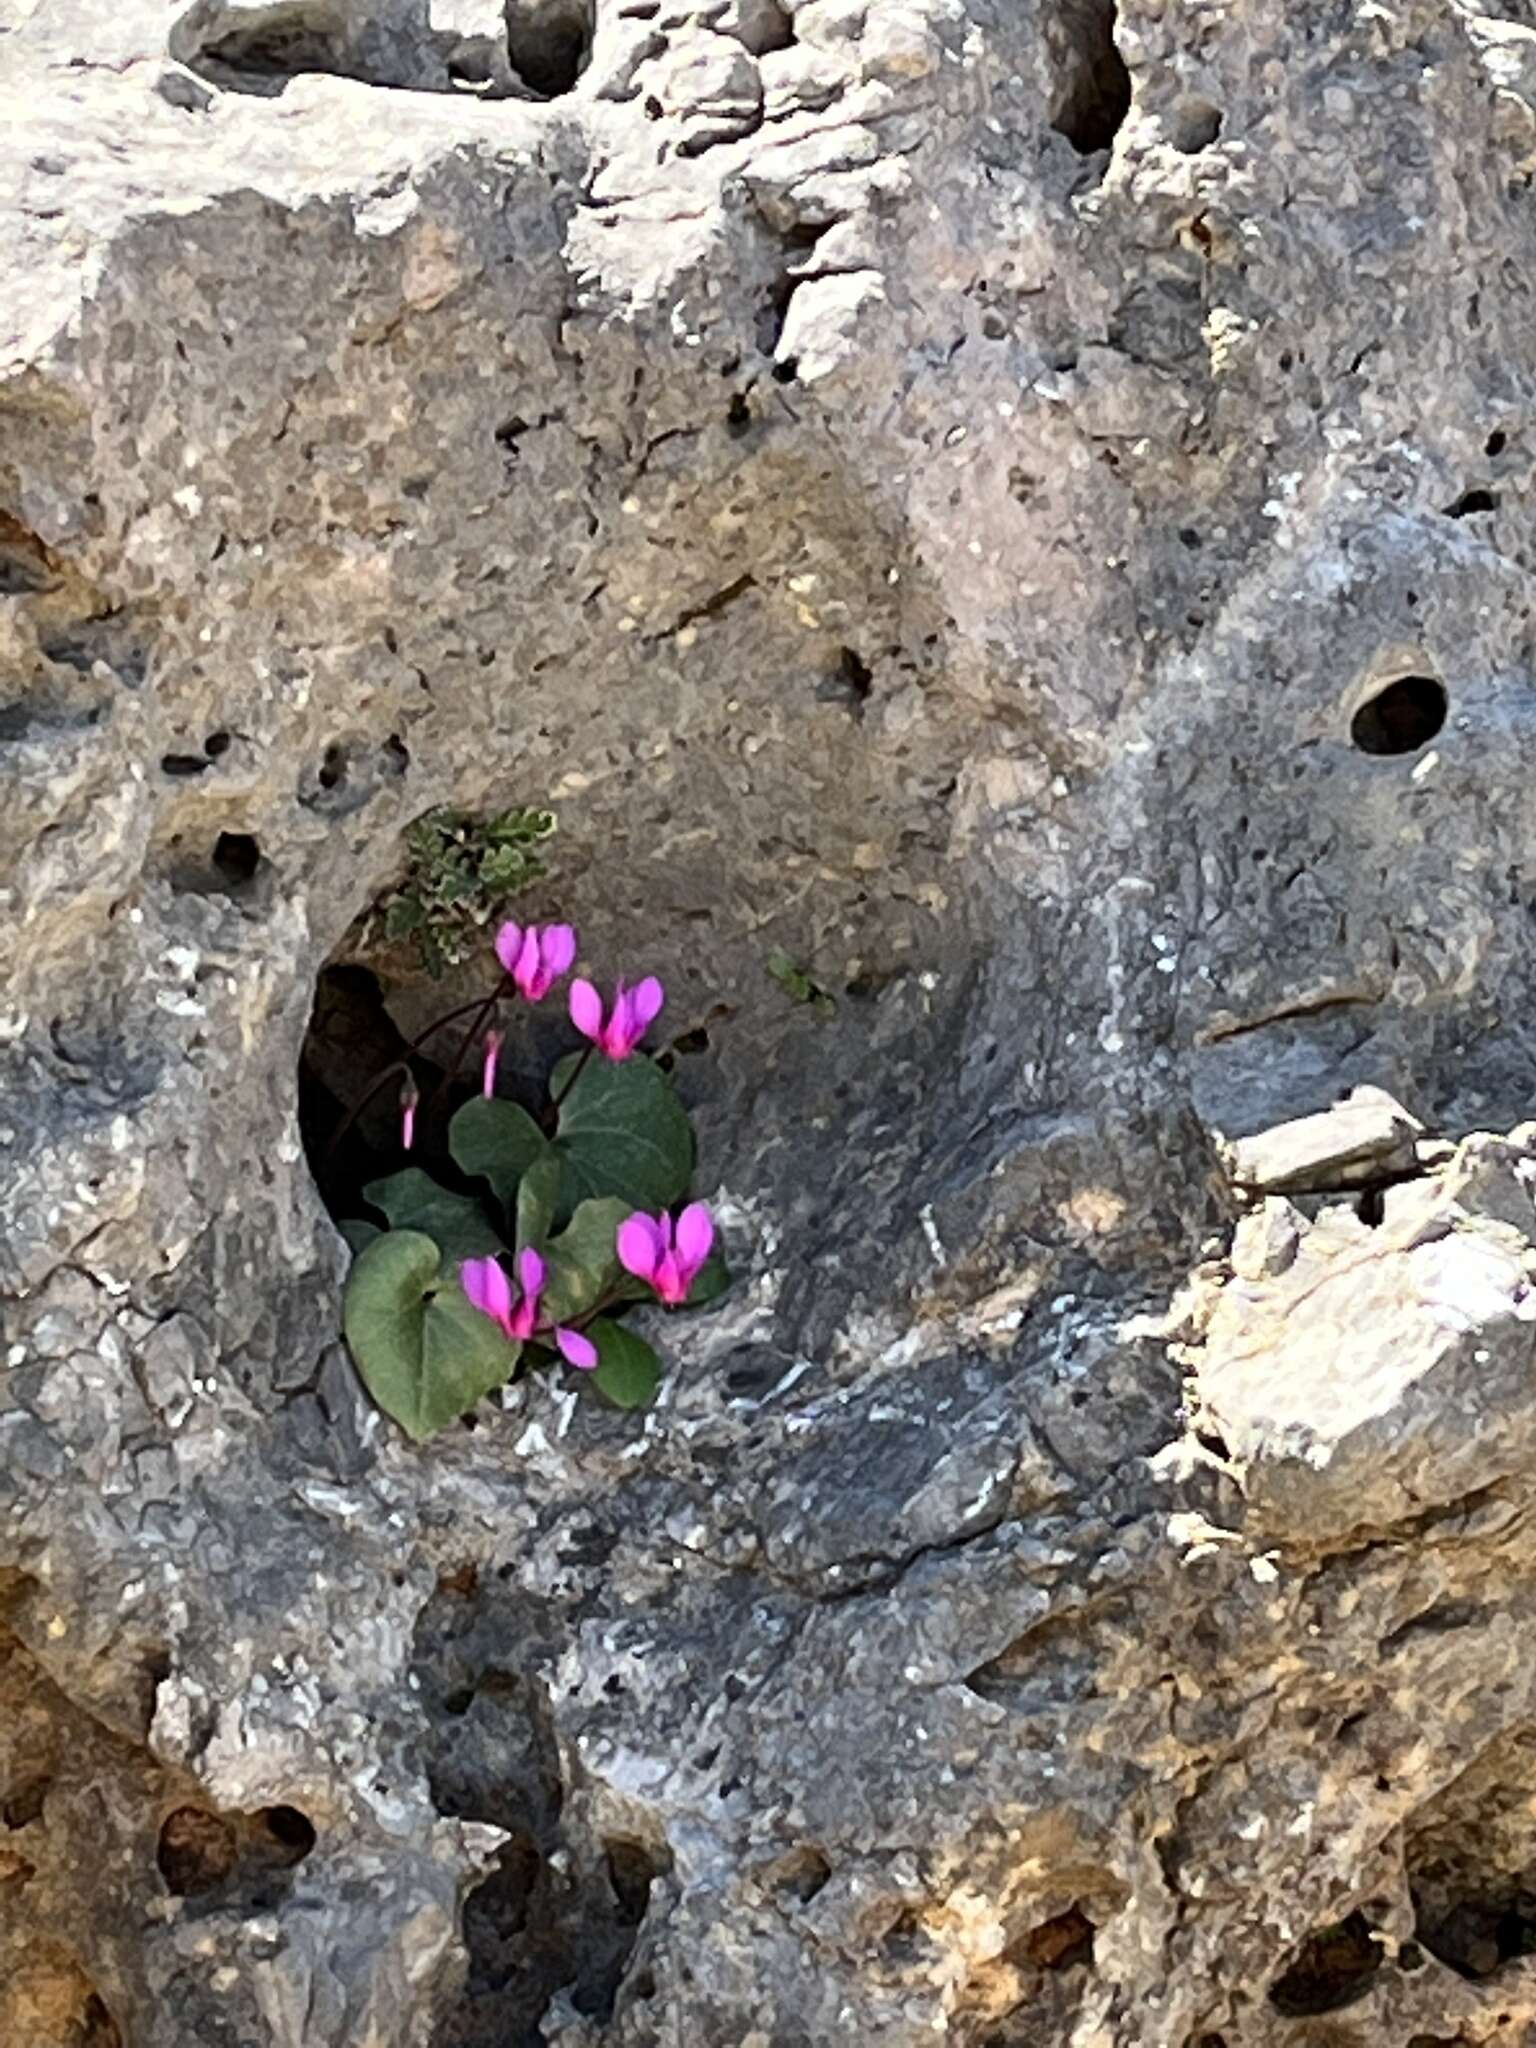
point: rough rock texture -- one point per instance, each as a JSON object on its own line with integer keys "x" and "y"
{"x": 1027, "y": 510}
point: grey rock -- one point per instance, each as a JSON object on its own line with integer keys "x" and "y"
{"x": 1366, "y": 1137}
{"x": 1024, "y": 509}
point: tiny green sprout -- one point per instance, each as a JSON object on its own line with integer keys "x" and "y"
{"x": 461, "y": 872}
{"x": 797, "y": 984}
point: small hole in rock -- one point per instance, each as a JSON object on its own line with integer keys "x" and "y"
{"x": 802, "y": 1874}
{"x": 787, "y": 371}
{"x": 217, "y": 743}
{"x": 236, "y": 857}
{"x": 1496, "y": 442}
{"x": 738, "y": 418}
{"x": 24, "y": 1802}
{"x": 333, "y": 767}
{"x": 1195, "y": 126}
{"x": 1092, "y": 93}
{"x": 631, "y": 1872}
{"x": 98, "y": 2029}
{"x": 1332, "y": 1968}
{"x": 182, "y": 764}
{"x": 292, "y": 1832}
{"x": 549, "y": 43}
{"x": 1470, "y": 503}
{"x": 196, "y": 1851}
{"x": 1060, "y": 1943}
{"x": 1401, "y": 718}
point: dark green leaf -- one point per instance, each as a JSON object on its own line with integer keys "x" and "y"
{"x": 623, "y": 1132}
{"x": 583, "y": 1261}
{"x": 537, "y": 1199}
{"x": 710, "y": 1282}
{"x": 498, "y": 1140}
{"x": 628, "y": 1370}
{"x": 412, "y": 1200}
{"x": 359, "y": 1234}
{"x": 424, "y": 1353}
{"x": 405, "y": 915}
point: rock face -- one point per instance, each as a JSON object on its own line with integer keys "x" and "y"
{"x": 1023, "y": 508}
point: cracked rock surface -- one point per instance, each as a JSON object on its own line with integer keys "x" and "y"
{"x": 1022, "y": 506}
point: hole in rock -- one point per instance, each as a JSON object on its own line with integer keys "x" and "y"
{"x": 549, "y": 43}
{"x": 236, "y": 857}
{"x": 1194, "y": 126}
{"x": 1401, "y": 718}
{"x": 197, "y": 1851}
{"x": 1060, "y": 1943}
{"x": 1496, "y": 442}
{"x": 1470, "y": 1857}
{"x": 24, "y": 1800}
{"x": 1332, "y": 1968}
{"x": 738, "y": 418}
{"x": 801, "y": 1874}
{"x": 1092, "y": 94}
{"x": 217, "y": 743}
{"x": 632, "y": 1870}
{"x": 290, "y": 1833}
{"x": 183, "y": 764}
{"x": 1470, "y": 503}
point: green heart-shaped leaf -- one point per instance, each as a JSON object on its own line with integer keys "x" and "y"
{"x": 628, "y": 1370}
{"x": 583, "y": 1263}
{"x": 622, "y": 1132}
{"x": 412, "y": 1200}
{"x": 496, "y": 1139}
{"x": 424, "y": 1353}
{"x": 537, "y": 1200}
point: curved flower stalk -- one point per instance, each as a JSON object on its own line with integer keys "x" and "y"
{"x": 634, "y": 1011}
{"x": 536, "y": 956}
{"x": 488, "y": 1071}
{"x": 667, "y": 1256}
{"x": 490, "y": 1291}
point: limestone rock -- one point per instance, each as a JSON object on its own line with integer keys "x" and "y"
{"x": 1024, "y": 510}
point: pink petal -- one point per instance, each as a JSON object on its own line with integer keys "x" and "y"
{"x": 530, "y": 1271}
{"x": 559, "y": 950}
{"x": 645, "y": 1002}
{"x": 586, "y": 1009}
{"x": 526, "y": 972}
{"x": 576, "y": 1349}
{"x": 639, "y": 1246}
{"x": 488, "y": 1288}
{"x": 508, "y": 940}
{"x": 669, "y": 1282}
{"x": 695, "y": 1237}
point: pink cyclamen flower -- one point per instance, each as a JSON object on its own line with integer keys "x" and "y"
{"x": 409, "y": 1097}
{"x": 634, "y": 1011}
{"x": 536, "y": 957}
{"x": 667, "y": 1256}
{"x": 492, "y": 1054}
{"x": 490, "y": 1291}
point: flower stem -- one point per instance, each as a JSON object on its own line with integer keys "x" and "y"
{"x": 576, "y": 1074}
{"x": 472, "y": 1032}
{"x": 402, "y": 1064}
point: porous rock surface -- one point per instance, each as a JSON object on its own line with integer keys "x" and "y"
{"x": 942, "y": 488}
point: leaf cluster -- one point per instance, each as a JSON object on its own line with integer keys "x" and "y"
{"x": 620, "y": 1140}
{"x": 461, "y": 873}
